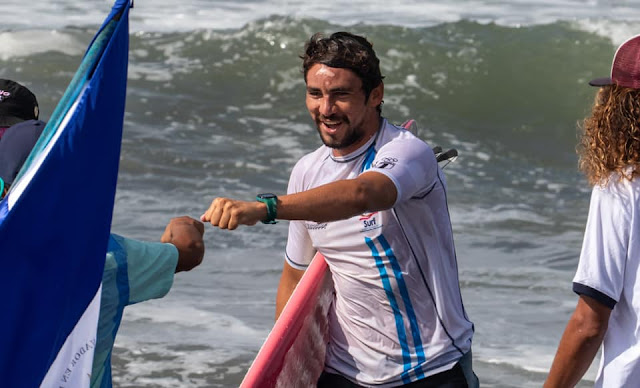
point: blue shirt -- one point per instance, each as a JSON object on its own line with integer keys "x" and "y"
{"x": 134, "y": 271}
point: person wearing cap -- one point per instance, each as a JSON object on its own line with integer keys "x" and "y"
{"x": 608, "y": 308}
{"x": 134, "y": 271}
{"x": 17, "y": 104}
{"x": 18, "y": 108}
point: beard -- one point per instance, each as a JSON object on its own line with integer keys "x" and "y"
{"x": 352, "y": 134}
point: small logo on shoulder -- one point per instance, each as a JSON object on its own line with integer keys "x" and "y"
{"x": 369, "y": 222}
{"x": 315, "y": 225}
{"x": 387, "y": 162}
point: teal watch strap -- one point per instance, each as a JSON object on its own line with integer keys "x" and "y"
{"x": 271, "y": 200}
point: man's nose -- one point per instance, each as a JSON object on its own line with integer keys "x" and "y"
{"x": 326, "y": 106}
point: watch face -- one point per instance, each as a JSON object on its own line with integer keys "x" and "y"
{"x": 267, "y": 195}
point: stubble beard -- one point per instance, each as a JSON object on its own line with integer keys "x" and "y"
{"x": 353, "y": 135}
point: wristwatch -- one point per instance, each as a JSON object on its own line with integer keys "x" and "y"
{"x": 271, "y": 200}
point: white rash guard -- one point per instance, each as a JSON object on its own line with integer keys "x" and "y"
{"x": 398, "y": 315}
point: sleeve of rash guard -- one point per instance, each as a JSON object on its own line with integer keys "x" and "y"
{"x": 410, "y": 163}
{"x": 299, "y": 251}
{"x": 151, "y": 267}
{"x": 603, "y": 258}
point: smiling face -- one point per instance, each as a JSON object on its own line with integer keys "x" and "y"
{"x": 345, "y": 118}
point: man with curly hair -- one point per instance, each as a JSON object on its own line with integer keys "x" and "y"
{"x": 606, "y": 280}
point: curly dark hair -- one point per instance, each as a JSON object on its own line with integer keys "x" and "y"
{"x": 347, "y": 51}
{"x": 610, "y": 140}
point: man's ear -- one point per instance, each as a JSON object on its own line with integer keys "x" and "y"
{"x": 376, "y": 95}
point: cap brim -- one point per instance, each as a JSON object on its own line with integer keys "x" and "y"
{"x": 604, "y": 81}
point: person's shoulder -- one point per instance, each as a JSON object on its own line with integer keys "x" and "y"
{"x": 29, "y": 123}
{"x": 26, "y": 127}
{"x": 398, "y": 137}
{"x": 392, "y": 132}
{"x": 619, "y": 183}
{"x": 29, "y": 130}
{"x": 618, "y": 188}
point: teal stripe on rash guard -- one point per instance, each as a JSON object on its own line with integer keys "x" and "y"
{"x": 404, "y": 291}
{"x": 368, "y": 160}
{"x": 402, "y": 335}
{"x": 122, "y": 277}
{"x": 122, "y": 285}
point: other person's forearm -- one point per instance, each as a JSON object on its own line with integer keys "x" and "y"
{"x": 579, "y": 343}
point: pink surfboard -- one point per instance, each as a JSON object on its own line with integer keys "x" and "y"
{"x": 293, "y": 353}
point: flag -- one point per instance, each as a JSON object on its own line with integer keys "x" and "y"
{"x": 55, "y": 222}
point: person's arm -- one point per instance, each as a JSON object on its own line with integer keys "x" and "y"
{"x": 288, "y": 281}
{"x": 580, "y": 343}
{"x": 371, "y": 191}
{"x": 185, "y": 233}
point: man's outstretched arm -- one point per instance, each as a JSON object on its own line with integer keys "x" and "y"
{"x": 371, "y": 191}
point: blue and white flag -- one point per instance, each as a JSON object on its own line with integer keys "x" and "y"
{"x": 55, "y": 222}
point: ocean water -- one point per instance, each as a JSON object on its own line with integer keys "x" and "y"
{"x": 215, "y": 108}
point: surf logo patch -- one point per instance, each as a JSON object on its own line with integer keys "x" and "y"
{"x": 387, "y": 162}
{"x": 369, "y": 222}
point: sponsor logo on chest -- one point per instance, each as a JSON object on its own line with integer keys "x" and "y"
{"x": 370, "y": 221}
{"x": 366, "y": 222}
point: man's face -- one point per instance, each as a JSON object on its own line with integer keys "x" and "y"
{"x": 336, "y": 102}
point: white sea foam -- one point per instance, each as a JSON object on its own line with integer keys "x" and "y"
{"x": 533, "y": 359}
{"x": 616, "y": 30}
{"x": 28, "y": 42}
{"x": 31, "y": 27}
{"x": 212, "y": 327}
{"x": 165, "y": 15}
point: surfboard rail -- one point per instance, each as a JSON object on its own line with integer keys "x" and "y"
{"x": 302, "y": 328}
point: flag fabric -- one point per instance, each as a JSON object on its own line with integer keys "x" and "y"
{"x": 55, "y": 222}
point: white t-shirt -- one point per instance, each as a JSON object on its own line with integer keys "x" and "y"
{"x": 398, "y": 314}
{"x": 608, "y": 271}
